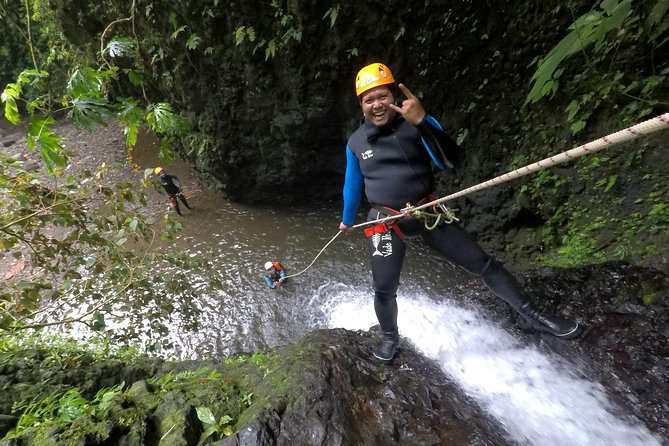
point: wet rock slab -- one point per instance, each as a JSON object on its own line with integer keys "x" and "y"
{"x": 353, "y": 399}
{"x": 625, "y": 312}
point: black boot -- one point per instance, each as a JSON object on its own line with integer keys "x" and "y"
{"x": 562, "y": 328}
{"x": 388, "y": 346}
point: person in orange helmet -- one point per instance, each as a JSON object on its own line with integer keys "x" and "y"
{"x": 389, "y": 159}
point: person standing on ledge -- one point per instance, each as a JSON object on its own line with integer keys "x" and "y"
{"x": 390, "y": 157}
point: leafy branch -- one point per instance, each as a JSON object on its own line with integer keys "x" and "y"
{"x": 69, "y": 232}
{"x": 287, "y": 30}
{"x": 588, "y": 30}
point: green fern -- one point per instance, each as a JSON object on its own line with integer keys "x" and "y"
{"x": 193, "y": 41}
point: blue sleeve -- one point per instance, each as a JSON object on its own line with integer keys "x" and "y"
{"x": 269, "y": 282}
{"x": 442, "y": 149}
{"x": 282, "y": 273}
{"x": 352, "y": 188}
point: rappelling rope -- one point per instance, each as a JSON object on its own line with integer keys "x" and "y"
{"x": 644, "y": 128}
{"x": 317, "y": 256}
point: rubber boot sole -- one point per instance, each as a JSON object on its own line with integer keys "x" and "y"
{"x": 385, "y": 359}
{"x": 576, "y": 332}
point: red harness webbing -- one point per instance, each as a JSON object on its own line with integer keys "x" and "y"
{"x": 382, "y": 228}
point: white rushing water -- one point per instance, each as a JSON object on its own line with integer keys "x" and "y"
{"x": 540, "y": 399}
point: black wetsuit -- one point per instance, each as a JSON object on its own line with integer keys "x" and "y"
{"x": 172, "y": 187}
{"x": 393, "y": 163}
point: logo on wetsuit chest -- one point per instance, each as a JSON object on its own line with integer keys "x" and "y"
{"x": 367, "y": 154}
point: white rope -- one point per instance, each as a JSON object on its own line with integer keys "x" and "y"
{"x": 317, "y": 256}
{"x": 644, "y": 128}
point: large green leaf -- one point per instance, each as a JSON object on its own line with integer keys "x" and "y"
{"x": 9, "y": 96}
{"x": 163, "y": 120}
{"x": 40, "y": 136}
{"x": 120, "y": 46}
{"x": 193, "y": 41}
{"x": 84, "y": 82}
{"x": 205, "y": 415}
{"x": 128, "y": 110}
{"x": 89, "y": 112}
{"x": 591, "y": 28}
{"x": 659, "y": 18}
{"x": 136, "y": 77}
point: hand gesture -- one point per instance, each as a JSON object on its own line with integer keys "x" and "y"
{"x": 412, "y": 110}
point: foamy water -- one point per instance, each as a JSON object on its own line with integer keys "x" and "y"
{"x": 540, "y": 399}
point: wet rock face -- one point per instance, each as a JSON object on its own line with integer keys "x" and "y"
{"x": 354, "y": 399}
{"x": 332, "y": 391}
{"x": 282, "y": 122}
{"x": 625, "y": 312}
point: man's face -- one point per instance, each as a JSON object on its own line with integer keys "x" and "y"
{"x": 375, "y": 105}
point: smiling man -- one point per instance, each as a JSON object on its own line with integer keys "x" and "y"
{"x": 390, "y": 157}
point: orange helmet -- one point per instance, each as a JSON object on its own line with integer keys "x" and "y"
{"x": 372, "y": 76}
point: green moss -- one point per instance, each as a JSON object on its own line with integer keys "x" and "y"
{"x": 63, "y": 416}
{"x": 172, "y": 427}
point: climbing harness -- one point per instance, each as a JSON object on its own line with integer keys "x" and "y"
{"x": 641, "y": 129}
{"x": 382, "y": 228}
{"x": 440, "y": 214}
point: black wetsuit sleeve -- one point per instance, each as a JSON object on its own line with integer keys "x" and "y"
{"x": 442, "y": 147}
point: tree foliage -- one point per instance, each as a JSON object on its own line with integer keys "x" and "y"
{"x": 73, "y": 241}
{"x": 598, "y": 36}
{"x": 589, "y": 29}
{"x": 65, "y": 236}
{"x": 86, "y": 92}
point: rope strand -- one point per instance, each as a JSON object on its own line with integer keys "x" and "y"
{"x": 318, "y": 255}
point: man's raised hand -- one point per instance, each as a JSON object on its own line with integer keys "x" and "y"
{"x": 412, "y": 110}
